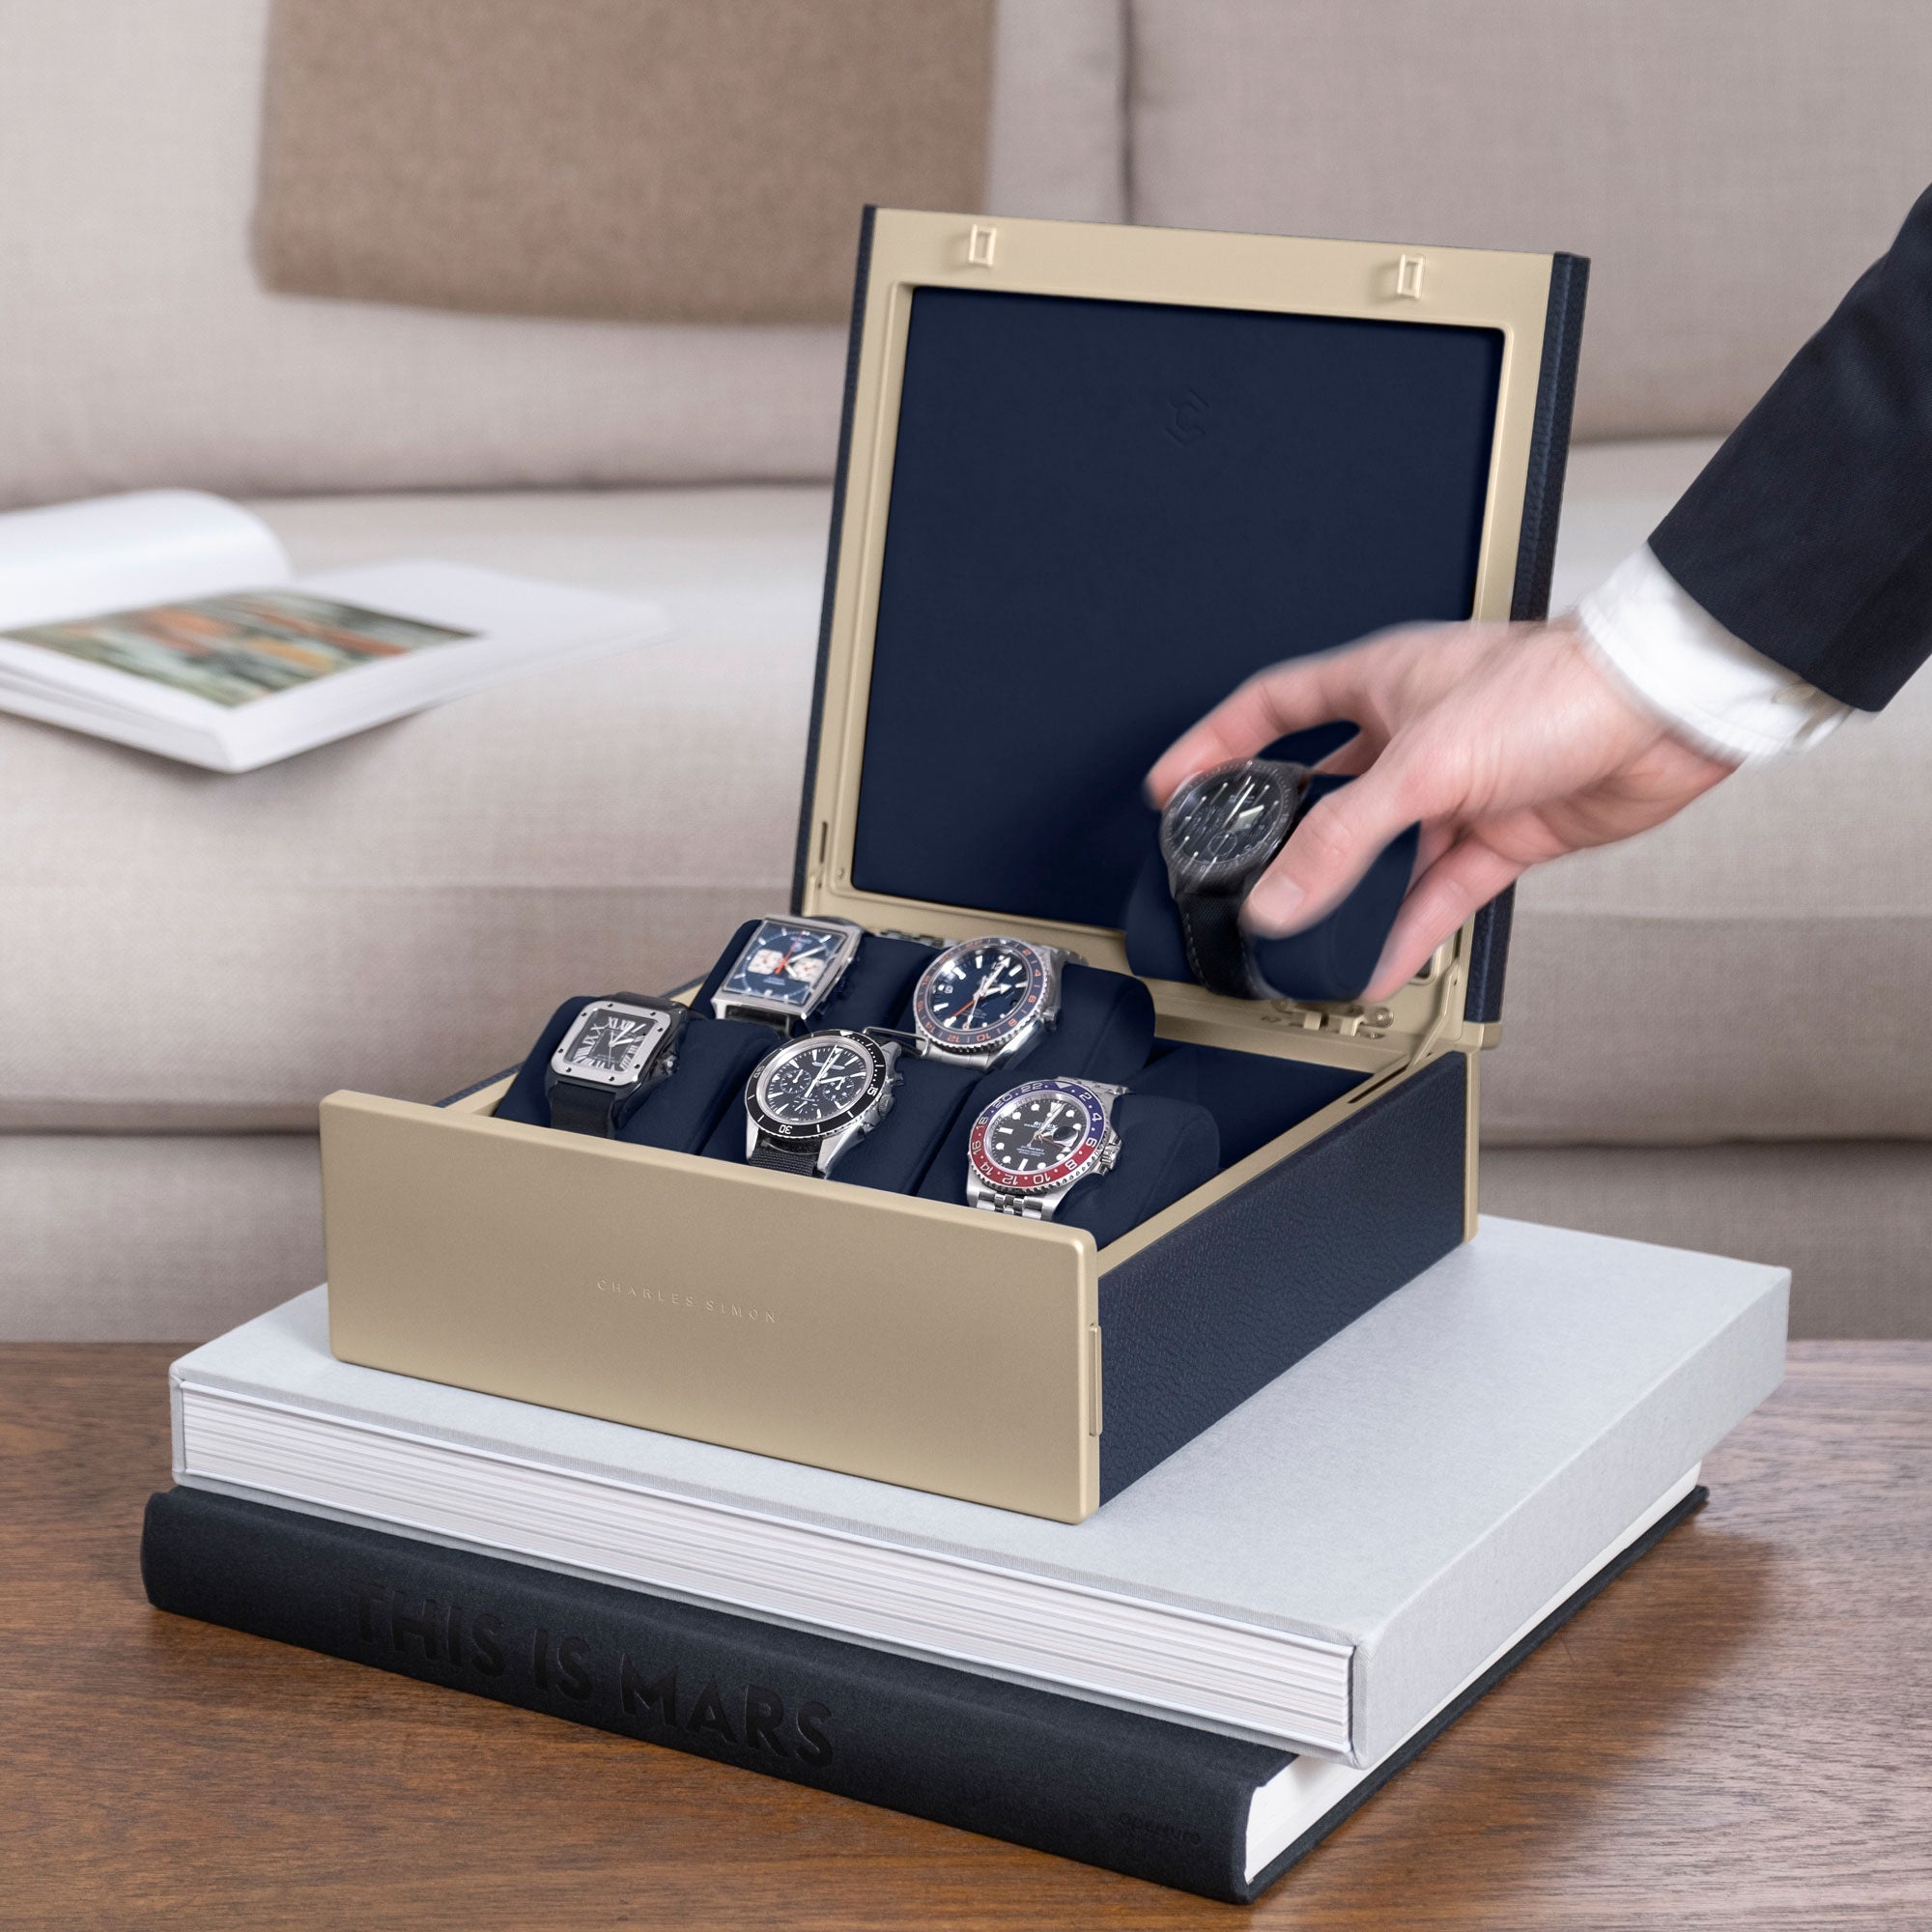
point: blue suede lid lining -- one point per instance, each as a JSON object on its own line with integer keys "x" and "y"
{"x": 1106, "y": 515}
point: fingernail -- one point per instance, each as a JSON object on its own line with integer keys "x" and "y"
{"x": 1273, "y": 904}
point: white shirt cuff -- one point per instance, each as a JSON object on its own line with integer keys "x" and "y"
{"x": 1709, "y": 686}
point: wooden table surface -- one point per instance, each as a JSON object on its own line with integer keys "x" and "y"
{"x": 1739, "y": 1732}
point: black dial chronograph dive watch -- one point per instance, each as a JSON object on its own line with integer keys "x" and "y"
{"x": 986, "y": 1001}
{"x": 615, "y": 1052}
{"x": 811, "y": 1099}
{"x": 1220, "y": 832}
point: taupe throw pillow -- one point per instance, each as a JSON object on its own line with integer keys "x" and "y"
{"x": 661, "y": 160}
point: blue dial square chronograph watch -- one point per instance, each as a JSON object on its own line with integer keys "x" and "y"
{"x": 786, "y": 971}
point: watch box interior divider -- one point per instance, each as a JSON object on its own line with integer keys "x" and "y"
{"x": 1090, "y": 479}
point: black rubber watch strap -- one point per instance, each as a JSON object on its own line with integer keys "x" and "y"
{"x": 784, "y": 1160}
{"x": 580, "y": 1107}
{"x": 1217, "y": 949}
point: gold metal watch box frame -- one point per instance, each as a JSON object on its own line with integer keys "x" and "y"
{"x": 908, "y": 1339}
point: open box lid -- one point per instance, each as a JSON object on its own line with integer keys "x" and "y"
{"x": 1090, "y": 479}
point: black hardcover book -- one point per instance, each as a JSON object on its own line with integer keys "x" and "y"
{"x": 1139, "y": 1795}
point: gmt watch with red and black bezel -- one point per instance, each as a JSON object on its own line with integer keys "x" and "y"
{"x": 984, "y": 1001}
{"x": 1034, "y": 1144}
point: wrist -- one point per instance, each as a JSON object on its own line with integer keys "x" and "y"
{"x": 1708, "y": 686}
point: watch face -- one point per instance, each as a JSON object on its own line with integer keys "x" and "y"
{"x": 1039, "y": 1135}
{"x": 978, "y": 994}
{"x": 785, "y": 962}
{"x": 609, "y": 1044}
{"x": 813, "y": 1083}
{"x": 1227, "y": 818}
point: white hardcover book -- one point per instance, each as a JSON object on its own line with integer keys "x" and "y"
{"x": 172, "y": 620}
{"x": 1323, "y": 1569}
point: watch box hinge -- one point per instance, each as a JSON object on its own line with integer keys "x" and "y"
{"x": 1348, "y": 1019}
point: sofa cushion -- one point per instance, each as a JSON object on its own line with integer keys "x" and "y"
{"x": 1730, "y": 165}
{"x": 402, "y": 911}
{"x": 1848, "y": 1218}
{"x": 637, "y": 161}
{"x": 1757, "y": 968}
{"x": 398, "y": 912}
{"x": 136, "y": 348}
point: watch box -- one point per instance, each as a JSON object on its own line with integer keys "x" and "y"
{"x": 1090, "y": 479}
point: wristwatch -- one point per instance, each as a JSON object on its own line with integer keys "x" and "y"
{"x": 1220, "y": 834}
{"x": 1034, "y": 1144}
{"x": 615, "y": 1052}
{"x": 984, "y": 1001}
{"x": 786, "y": 971}
{"x": 811, "y": 1099}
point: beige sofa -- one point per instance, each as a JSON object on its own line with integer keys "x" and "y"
{"x": 1712, "y": 1034}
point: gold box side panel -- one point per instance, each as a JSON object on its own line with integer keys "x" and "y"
{"x": 908, "y": 1341}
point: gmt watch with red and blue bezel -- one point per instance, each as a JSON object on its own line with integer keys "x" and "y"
{"x": 1034, "y": 1144}
{"x": 984, "y": 1001}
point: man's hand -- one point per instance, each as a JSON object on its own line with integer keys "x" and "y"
{"x": 1508, "y": 742}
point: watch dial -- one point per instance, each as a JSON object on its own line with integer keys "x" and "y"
{"x": 1038, "y": 1135}
{"x": 978, "y": 991}
{"x": 614, "y": 1043}
{"x": 785, "y": 963}
{"x": 816, "y": 1080}
{"x": 1226, "y": 817}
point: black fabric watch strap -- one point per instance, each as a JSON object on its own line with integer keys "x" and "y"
{"x": 784, "y": 1024}
{"x": 1217, "y": 949}
{"x": 580, "y": 1107}
{"x": 784, "y": 1160}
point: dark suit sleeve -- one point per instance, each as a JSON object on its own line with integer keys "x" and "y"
{"x": 1809, "y": 533}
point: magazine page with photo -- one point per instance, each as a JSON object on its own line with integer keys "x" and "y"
{"x": 171, "y": 621}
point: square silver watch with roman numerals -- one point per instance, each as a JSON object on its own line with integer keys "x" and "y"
{"x": 611, "y": 1057}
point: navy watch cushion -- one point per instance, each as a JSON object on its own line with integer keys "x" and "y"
{"x": 896, "y": 1153}
{"x": 1332, "y": 959}
{"x": 1253, "y": 1096}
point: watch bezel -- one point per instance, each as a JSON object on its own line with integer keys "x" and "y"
{"x": 1009, "y": 1181}
{"x": 1289, "y": 784}
{"x": 790, "y": 1133}
{"x": 848, "y": 933}
{"x": 945, "y": 1038}
{"x": 560, "y": 1064}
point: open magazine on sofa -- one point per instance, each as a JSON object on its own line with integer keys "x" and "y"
{"x": 173, "y": 620}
